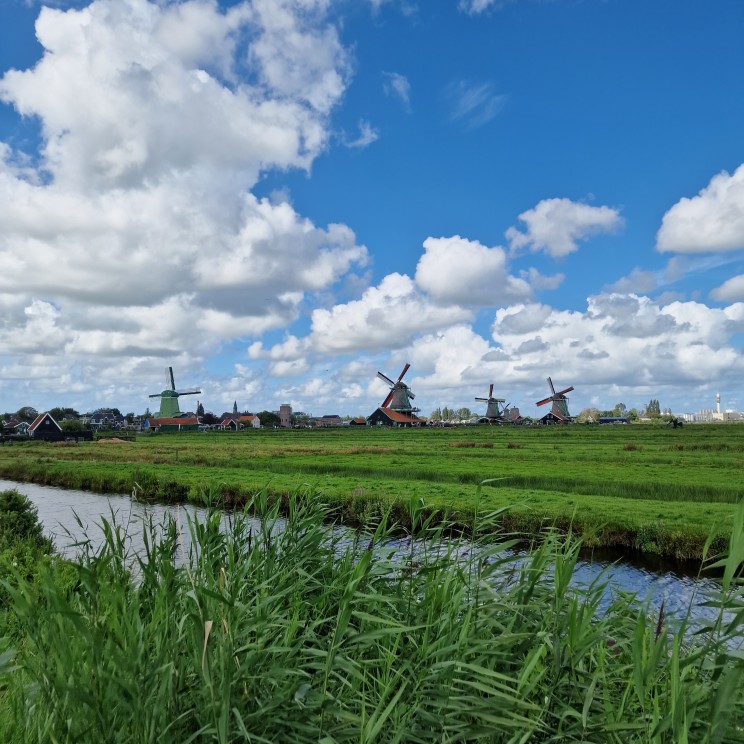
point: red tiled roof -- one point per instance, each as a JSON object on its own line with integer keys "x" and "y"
{"x": 39, "y": 419}
{"x": 401, "y": 418}
{"x": 173, "y": 421}
{"x": 36, "y": 422}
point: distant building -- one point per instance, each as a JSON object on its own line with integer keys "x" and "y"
{"x": 15, "y": 426}
{"x": 389, "y": 417}
{"x": 250, "y": 422}
{"x": 554, "y": 417}
{"x": 243, "y": 422}
{"x": 104, "y": 418}
{"x": 172, "y": 425}
{"x": 712, "y": 415}
{"x": 329, "y": 419}
{"x": 285, "y": 415}
{"x": 45, "y": 428}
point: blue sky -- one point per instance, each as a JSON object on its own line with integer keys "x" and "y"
{"x": 280, "y": 197}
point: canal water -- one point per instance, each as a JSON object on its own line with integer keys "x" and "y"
{"x": 71, "y": 516}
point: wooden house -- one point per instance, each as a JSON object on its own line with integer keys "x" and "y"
{"x": 46, "y": 429}
{"x": 389, "y": 417}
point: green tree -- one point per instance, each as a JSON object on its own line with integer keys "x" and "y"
{"x": 653, "y": 409}
{"x": 619, "y": 409}
{"x": 200, "y": 409}
{"x": 588, "y": 416}
{"x": 267, "y": 418}
{"x": 70, "y": 425}
{"x": 27, "y": 413}
{"x": 59, "y": 413}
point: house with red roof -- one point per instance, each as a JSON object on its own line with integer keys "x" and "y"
{"x": 389, "y": 417}
{"x": 172, "y": 425}
{"x": 46, "y": 429}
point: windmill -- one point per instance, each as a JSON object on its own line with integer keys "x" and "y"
{"x": 400, "y": 395}
{"x": 560, "y": 403}
{"x": 493, "y": 411}
{"x": 512, "y": 415}
{"x": 169, "y": 397}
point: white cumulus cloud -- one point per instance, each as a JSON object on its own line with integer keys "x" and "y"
{"x": 387, "y": 316}
{"x": 133, "y": 233}
{"x": 731, "y": 290}
{"x": 711, "y": 221}
{"x": 555, "y": 226}
{"x": 455, "y": 270}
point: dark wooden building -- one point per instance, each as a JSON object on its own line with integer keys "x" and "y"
{"x": 46, "y": 429}
{"x": 389, "y": 417}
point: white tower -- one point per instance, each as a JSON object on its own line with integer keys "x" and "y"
{"x": 718, "y": 403}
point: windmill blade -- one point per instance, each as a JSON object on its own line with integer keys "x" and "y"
{"x": 405, "y": 369}
{"x": 552, "y": 389}
{"x": 567, "y": 390}
{"x": 490, "y": 390}
{"x": 484, "y": 400}
{"x": 410, "y": 393}
{"x": 191, "y": 392}
{"x": 543, "y": 401}
{"x": 387, "y": 400}
{"x": 386, "y": 379}
{"x": 156, "y": 395}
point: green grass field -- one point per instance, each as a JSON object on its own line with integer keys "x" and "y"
{"x": 647, "y": 488}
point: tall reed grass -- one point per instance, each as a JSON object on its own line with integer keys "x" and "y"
{"x": 284, "y": 630}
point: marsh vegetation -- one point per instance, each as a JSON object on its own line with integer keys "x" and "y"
{"x": 300, "y": 634}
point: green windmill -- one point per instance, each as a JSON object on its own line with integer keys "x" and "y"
{"x": 169, "y": 397}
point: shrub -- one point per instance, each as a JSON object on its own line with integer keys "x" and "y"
{"x": 19, "y": 521}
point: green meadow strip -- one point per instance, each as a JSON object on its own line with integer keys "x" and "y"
{"x": 644, "y": 488}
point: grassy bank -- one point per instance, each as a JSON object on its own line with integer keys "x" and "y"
{"x": 272, "y": 635}
{"x": 644, "y": 488}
